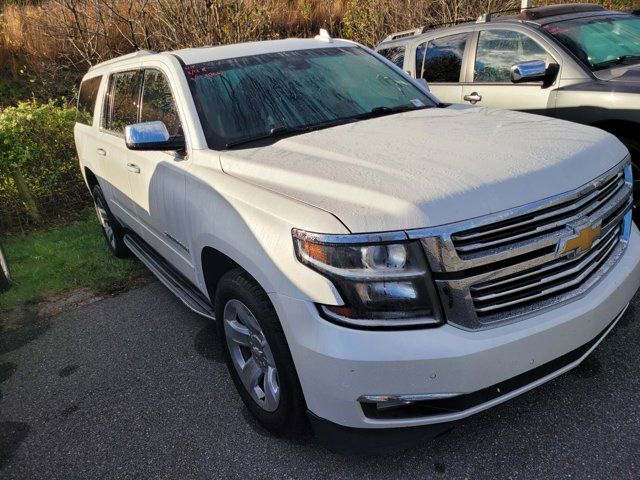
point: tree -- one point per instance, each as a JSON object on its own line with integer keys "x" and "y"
{"x": 5, "y": 278}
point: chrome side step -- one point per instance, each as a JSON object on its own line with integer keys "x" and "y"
{"x": 173, "y": 280}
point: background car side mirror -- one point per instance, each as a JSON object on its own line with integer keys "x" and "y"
{"x": 533, "y": 71}
{"x": 152, "y": 136}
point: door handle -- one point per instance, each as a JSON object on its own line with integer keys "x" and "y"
{"x": 132, "y": 167}
{"x": 101, "y": 152}
{"x": 474, "y": 98}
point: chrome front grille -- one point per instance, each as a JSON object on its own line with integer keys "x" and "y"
{"x": 544, "y": 282}
{"x": 505, "y": 266}
{"x": 509, "y": 233}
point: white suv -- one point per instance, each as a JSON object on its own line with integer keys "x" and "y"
{"x": 373, "y": 260}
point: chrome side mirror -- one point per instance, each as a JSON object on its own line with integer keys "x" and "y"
{"x": 151, "y": 136}
{"x": 533, "y": 71}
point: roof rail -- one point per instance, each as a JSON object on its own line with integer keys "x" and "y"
{"x": 324, "y": 36}
{"x": 551, "y": 10}
{"x": 139, "y": 53}
{"x": 407, "y": 33}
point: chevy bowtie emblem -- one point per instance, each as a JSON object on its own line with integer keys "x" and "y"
{"x": 581, "y": 240}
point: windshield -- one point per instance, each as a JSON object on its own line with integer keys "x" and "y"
{"x": 259, "y": 96}
{"x": 600, "y": 42}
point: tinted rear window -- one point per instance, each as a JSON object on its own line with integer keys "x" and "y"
{"x": 87, "y": 100}
{"x": 440, "y": 60}
{"x": 394, "y": 54}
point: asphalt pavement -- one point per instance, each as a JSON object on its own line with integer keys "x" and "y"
{"x": 134, "y": 386}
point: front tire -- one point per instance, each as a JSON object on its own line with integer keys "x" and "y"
{"x": 258, "y": 356}
{"x": 111, "y": 229}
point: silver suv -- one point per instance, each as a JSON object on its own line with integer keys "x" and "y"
{"x": 577, "y": 62}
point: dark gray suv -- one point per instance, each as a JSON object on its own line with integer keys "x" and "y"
{"x": 577, "y": 62}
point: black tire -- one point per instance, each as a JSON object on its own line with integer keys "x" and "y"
{"x": 634, "y": 150}
{"x": 111, "y": 229}
{"x": 5, "y": 277}
{"x": 289, "y": 419}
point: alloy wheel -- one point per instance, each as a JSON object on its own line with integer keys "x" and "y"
{"x": 251, "y": 355}
{"x": 103, "y": 217}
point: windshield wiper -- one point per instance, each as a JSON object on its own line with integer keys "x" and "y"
{"x": 273, "y": 133}
{"x": 382, "y": 111}
{"x": 621, "y": 60}
{"x": 285, "y": 131}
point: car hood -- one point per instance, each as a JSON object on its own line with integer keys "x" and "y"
{"x": 623, "y": 77}
{"x": 429, "y": 167}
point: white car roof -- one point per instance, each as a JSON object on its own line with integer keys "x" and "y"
{"x": 207, "y": 54}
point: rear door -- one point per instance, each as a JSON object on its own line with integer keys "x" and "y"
{"x": 86, "y": 131}
{"x": 440, "y": 62}
{"x": 119, "y": 110}
{"x": 495, "y": 51}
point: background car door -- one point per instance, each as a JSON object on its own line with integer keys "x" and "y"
{"x": 157, "y": 179}
{"x": 497, "y": 50}
{"x": 120, "y": 109}
{"x": 439, "y": 61}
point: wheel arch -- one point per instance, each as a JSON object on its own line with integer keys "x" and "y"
{"x": 214, "y": 265}
{"x": 90, "y": 178}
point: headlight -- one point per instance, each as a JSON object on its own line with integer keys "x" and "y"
{"x": 383, "y": 279}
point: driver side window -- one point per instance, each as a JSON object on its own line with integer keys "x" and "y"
{"x": 158, "y": 102}
{"x": 499, "y": 50}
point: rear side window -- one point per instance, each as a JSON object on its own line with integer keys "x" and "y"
{"x": 87, "y": 100}
{"x": 158, "y": 102}
{"x": 440, "y": 60}
{"x": 394, "y": 54}
{"x": 121, "y": 104}
{"x": 499, "y": 50}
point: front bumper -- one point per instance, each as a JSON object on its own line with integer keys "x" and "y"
{"x": 337, "y": 365}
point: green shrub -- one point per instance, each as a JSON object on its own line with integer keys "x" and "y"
{"x": 39, "y": 176}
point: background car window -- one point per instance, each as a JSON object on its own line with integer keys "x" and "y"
{"x": 158, "y": 102}
{"x": 499, "y": 50}
{"x": 87, "y": 100}
{"x": 394, "y": 54}
{"x": 440, "y": 60}
{"x": 600, "y": 42}
{"x": 122, "y": 102}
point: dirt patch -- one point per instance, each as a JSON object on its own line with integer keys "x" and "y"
{"x": 60, "y": 303}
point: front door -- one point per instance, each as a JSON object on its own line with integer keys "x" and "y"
{"x": 439, "y": 61}
{"x": 490, "y": 86}
{"x": 158, "y": 179}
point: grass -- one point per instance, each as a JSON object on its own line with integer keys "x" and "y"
{"x": 48, "y": 263}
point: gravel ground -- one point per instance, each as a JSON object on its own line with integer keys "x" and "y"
{"x": 134, "y": 386}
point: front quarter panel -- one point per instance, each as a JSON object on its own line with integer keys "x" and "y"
{"x": 597, "y": 101}
{"x": 252, "y": 226}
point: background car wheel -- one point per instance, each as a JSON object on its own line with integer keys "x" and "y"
{"x": 634, "y": 149}
{"x": 5, "y": 278}
{"x": 111, "y": 229}
{"x": 258, "y": 356}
